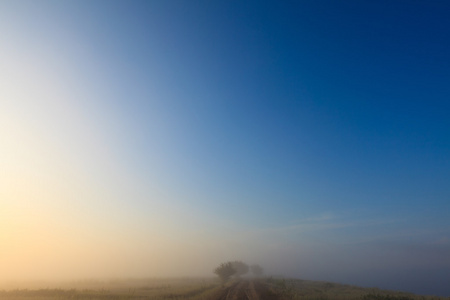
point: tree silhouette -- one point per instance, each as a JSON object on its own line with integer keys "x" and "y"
{"x": 225, "y": 271}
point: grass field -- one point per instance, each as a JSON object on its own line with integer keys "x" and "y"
{"x": 201, "y": 289}
{"x": 180, "y": 288}
{"x": 318, "y": 290}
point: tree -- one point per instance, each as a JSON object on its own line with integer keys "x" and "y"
{"x": 257, "y": 270}
{"x": 240, "y": 267}
{"x": 225, "y": 271}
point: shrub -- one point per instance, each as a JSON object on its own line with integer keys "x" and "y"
{"x": 225, "y": 271}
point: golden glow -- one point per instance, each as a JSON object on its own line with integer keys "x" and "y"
{"x": 65, "y": 209}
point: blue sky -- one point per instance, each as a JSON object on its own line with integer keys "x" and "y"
{"x": 310, "y": 136}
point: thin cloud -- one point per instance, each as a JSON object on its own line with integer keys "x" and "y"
{"x": 328, "y": 222}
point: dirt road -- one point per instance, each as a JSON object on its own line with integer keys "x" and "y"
{"x": 246, "y": 290}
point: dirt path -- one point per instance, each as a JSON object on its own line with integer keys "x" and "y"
{"x": 246, "y": 290}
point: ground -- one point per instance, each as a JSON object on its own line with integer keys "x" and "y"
{"x": 268, "y": 288}
{"x": 246, "y": 290}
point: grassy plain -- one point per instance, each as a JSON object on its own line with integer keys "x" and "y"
{"x": 201, "y": 289}
{"x": 132, "y": 289}
{"x": 318, "y": 290}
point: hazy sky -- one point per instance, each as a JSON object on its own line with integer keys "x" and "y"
{"x": 157, "y": 138}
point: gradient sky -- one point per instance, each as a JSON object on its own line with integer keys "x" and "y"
{"x": 160, "y": 138}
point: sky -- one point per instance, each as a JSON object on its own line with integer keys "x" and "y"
{"x": 161, "y": 138}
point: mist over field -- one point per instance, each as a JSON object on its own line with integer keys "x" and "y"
{"x": 151, "y": 139}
